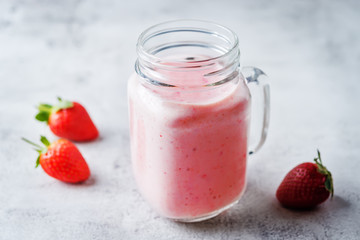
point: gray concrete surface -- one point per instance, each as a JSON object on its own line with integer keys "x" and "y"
{"x": 85, "y": 51}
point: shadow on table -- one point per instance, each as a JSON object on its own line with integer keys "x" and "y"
{"x": 260, "y": 212}
{"x": 88, "y": 183}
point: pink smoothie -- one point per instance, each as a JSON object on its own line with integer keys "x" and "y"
{"x": 189, "y": 148}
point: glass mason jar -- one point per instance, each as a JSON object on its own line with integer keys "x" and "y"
{"x": 189, "y": 107}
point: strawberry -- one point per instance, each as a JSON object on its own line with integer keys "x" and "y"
{"x": 68, "y": 120}
{"x": 61, "y": 160}
{"x": 306, "y": 185}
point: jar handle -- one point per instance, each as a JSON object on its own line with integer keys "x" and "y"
{"x": 257, "y": 77}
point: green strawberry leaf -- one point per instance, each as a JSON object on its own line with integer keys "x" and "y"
{"x": 42, "y": 116}
{"x": 37, "y": 162}
{"x": 45, "y": 141}
{"x": 44, "y": 112}
{"x": 329, "y": 184}
{"x": 44, "y": 107}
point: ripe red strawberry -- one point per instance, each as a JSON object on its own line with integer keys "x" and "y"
{"x": 68, "y": 120}
{"x": 306, "y": 185}
{"x": 61, "y": 160}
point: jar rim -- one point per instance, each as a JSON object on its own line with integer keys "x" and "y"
{"x": 218, "y": 59}
{"x": 151, "y": 32}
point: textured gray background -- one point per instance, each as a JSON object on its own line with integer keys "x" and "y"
{"x": 85, "y": 51}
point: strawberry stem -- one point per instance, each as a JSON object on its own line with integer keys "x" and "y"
{"x": 62, "y": 104}
{"x": 329, "y": 185}
{"x": 32, "y": 143}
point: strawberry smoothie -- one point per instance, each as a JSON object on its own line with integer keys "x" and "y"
{"x": 189, "y": 147}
